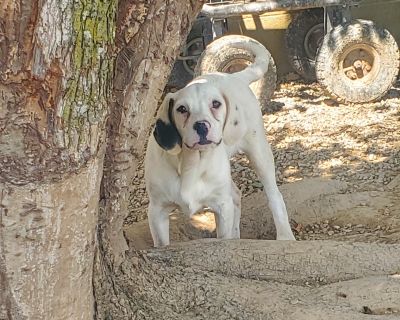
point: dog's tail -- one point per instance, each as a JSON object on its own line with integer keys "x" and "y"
{"x": 254, "y": 71}
{"x": 259, "y": 67}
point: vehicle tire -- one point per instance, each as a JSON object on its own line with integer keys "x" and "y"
{"x": 358, "y": 61}
{"x": 303, "y": 37}
{"x": 183, "y": 70}
{"x": 230, "y": 60}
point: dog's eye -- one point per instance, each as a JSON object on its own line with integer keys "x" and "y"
{"x": 182, "y": 109}
{"x": 216, "y": 104}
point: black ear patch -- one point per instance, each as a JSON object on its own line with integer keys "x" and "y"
{"x": 166, "y": 134}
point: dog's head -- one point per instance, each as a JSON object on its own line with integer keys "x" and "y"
{"x": 195, "y": 116}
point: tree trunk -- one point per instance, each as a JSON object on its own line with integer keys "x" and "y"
{"x": 140, "y": 77}
{"x": 47, "y": 241}
{"x": 58, "y": 87}
{"x": 55, "y": 85}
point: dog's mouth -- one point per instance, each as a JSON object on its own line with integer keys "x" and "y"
{"x": 203, "y": 143}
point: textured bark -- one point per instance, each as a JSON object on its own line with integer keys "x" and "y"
{"x": 157, "y": 28}
{"x": 55, "y": 83}
{"x": 288, "y": 262}
{"x": 149, "y": 34}
{"x": 47, "y": 247}
{"x": 245, "y": 279}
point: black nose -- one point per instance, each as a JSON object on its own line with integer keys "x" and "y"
{"x": 201, "y": 128}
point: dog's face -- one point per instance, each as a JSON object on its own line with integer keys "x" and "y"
{"x": 199, "y": 112}
{"x": 194, "y": 116}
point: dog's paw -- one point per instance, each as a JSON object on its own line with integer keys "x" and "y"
{"x": 286, "y": 236}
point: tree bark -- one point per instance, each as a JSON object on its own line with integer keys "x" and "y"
{"x": 58, "y": 88}
{"x": 47, "y": 245}
{"x": 56, "y": 71}
{"x": 140, "y": 77}
{"x": 255, "y": 279}
{"x": 288, "y": 262}
{"x": 157, "y": 28}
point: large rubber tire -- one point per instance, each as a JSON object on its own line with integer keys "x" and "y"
{"x": 358, "y": 61}
{"x": 303, "y": 36}
{"x": 180, "y": 76}
{"x": 231, "y": 59}
{"x": 181, "y": 73}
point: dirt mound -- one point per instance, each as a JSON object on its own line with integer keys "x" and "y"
{"x": 318, "y": 208}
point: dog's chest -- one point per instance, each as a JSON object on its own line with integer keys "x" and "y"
{"x": 204, "y": 185}
{"x": 200, "y": 194}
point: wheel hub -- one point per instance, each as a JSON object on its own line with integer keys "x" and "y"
{"x": 235, "y": 65}
{"x": 313, "y": 40}
{"x": 358, "y": 62}
{"x": 191, "y": 54}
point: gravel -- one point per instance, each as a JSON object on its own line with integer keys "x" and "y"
{"x": 314, "y": 136}
{"x": 328, "y": 229}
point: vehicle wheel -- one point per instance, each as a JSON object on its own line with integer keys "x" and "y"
{"x": 230, "y": 60}
{"x": 193, "y": 50}
{"x": 358, "y": 61}
{"x": 303, "y": 38}
{"x": 183, "y": 69}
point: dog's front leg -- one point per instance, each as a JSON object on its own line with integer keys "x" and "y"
{"x": 225, "y": 219}
{"x": 237, "y": 202}
{"x": 159, "y": 224}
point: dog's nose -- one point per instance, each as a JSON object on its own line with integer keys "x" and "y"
{"x": 201, "y": 128}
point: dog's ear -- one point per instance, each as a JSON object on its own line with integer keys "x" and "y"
{"x": 233, "y": 126}
{"x": 165, "y": 131}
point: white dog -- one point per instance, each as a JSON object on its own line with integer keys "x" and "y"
{"x": 197, "y": 131}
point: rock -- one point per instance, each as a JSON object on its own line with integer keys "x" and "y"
{"x": 257, "y": 184}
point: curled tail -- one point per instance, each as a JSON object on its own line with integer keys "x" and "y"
{"x": 254, "y": 71}
{"x": 259, "y": 67}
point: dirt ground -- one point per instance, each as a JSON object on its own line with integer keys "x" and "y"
{"x": 338, "y": 167}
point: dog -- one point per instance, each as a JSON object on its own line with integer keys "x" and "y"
{"x": 198, "y": 129}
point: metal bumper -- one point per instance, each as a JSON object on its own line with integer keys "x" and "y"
{"x": 220, "y": 11}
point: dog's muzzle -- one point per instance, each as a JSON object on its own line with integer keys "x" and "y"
{"x": 202, "y": 127}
